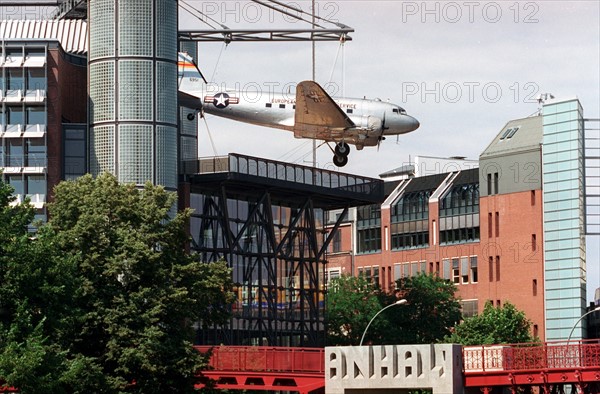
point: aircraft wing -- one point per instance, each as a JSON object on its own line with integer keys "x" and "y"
{"x": 188, "y": 100}
{"x": 317, "y": 115}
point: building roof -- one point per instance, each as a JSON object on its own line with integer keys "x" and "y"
{"x": 519, "y": 135}
{"x": 407, "y": 169}
{"x": 72, "y": 34}
{"x": 466, "y": 177}
{"x": 429, "y": 182}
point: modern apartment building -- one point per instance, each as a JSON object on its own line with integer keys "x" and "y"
{"x": 43, "y": 116}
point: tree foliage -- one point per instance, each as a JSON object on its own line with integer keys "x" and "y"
{"x": 104, "y": 298}
{"x": 429, "y": 314}
{"x": 495, "y": 325}
{"x": 351, "y": 303}
{"x": 431, "y": 311}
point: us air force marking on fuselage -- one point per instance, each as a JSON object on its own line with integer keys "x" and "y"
{"x": 221, "y": 100}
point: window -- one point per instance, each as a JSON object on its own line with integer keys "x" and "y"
{"x": 268, "y": 105}
{"x": 16, "y": 153}
{"x": 534, "y": 287}
{"x": 446, "y": 268}
{"x": 497, "y": 268}
{"x": 376, "y": 276}
{"x": 36, "y": 79}
{"x": 490, "y": 225}
{"x": 455, "y": 271}
{"x": 512, "y": 133}
{"x": 397, "y": 272}
{"x": 332, "y": 274}
{"x": 36, "y": 184}
{"x": 533, "y": 242}
{"x": 281, "y": 106}
{"x": 369, "y": 228}
{"x": 369, "y": 240}
{"x": 496, "y": 181}
{"x": 349, "y": 110}
{"x": 532, "y": 197}
{"x": 15, "y": 115}
{"x": 14, "y": 79}
{"x": 74, "y": 138}
{"x": 469, "y": 308}
{"x": 474, "y": 277}
{"x": 464, "y": 269}
{"x": 337, "y": 242}
{"x": 497, "y": 224}
{"x": 491, "y": 268}
{"x": 16, "y": 181}
{"x": 505, "y": 134}
{"x": 36, "y": 152}
{"x": 489, "y": 184}
{"x": 36, "y": 115}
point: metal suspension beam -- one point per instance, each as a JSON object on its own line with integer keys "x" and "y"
{"x": 254, "y": 35}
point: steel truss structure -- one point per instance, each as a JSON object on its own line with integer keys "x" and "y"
{"x": 266, "y": 219}
{"x": 229, "y": 35}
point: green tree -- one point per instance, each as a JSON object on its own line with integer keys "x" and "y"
{"x": 106, "y": 298}
{"x": 429, "y": 314}
{"x": 495, "y": 325}
{"x": 351, "y": 303}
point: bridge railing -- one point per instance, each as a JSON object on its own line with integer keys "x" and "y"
{"x": 266, "y": 359}
{"x": 531, "y": 356}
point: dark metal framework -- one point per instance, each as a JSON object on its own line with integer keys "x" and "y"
{"x": 269, "y": 226}
{"x": 229, "y": 35}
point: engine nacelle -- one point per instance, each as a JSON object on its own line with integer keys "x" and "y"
{"x": 368, "y": 122}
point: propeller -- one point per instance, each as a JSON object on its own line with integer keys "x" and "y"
{"x": 381, "y": 137}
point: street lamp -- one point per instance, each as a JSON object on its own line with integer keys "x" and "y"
{"x": 399, "y": 302}
{"x": 580, "y": 319}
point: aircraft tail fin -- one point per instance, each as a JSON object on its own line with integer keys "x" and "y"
{"x": 191, "y": 80}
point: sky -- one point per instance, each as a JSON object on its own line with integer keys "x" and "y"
{"x": 463, "y": 69}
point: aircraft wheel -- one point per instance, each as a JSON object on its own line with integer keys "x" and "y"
{"x": 340, "y": 160}
{"x": 342, "y": 149}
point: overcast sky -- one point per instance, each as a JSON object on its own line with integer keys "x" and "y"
{"x": 463, "y": 69}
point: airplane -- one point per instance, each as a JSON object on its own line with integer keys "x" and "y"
{"x": 312, "y": 113}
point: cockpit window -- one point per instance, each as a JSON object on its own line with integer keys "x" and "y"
{"x": 395, "y": 110}
{"x": 399, "y": 110}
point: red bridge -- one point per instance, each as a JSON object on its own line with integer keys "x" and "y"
{"x": 551, "y": 367}
{"x": 266, "y": 368}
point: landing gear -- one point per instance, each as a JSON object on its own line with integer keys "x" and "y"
{"x": 340, "y": 161}
{"x": 342, "y": 150}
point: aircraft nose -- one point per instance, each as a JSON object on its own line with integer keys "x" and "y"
{"x": 412, "y": 123}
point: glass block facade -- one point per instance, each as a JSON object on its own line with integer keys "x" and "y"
{"x": 133, "y": 90}
{"x": 564, "y": 236}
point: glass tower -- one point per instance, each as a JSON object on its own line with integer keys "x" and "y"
{"x": 133, "y": 90}
{"x": 564, "y": 232}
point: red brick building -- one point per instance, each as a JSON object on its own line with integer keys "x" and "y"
{"x": 481, "y": 228}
